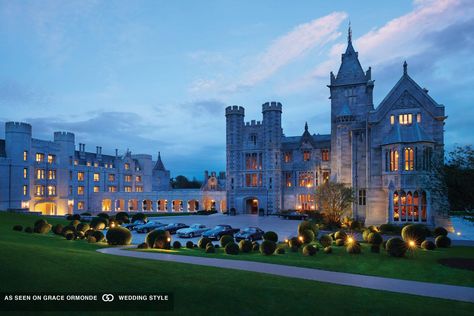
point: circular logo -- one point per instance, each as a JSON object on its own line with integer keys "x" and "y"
{"x": 108, "y": 297}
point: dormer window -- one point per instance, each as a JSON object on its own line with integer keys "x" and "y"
{"x": 405, "y": 119}
{"x": 306, "y": 155}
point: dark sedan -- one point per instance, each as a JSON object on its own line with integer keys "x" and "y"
{"x": 136, "y": 223}
{"x": 249, "y": 233}
{"x": 173, "y": 227}
{"x": 219, "y": 231}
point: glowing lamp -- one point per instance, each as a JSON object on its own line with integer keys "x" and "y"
{"x": 300, "y": 238}
{"x": 168, "y": 239}
{"x": 350, "y": 240}
{"x": 412, "y": 244}
{"x": 286, "y": 240}
{"x": 458, "y": 233}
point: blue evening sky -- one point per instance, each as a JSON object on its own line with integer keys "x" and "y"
{"x": 156, "y": 75}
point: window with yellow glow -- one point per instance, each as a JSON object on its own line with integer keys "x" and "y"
{"x": 80, "y": 176}
{"x": 325, "y": 154}
{"x": 306, "y": 179}
{"x": 51, "y": 190}
{"x": 96, "y": 177}
{"x": 25, "y": 155}
{"x": 405, "y": 119}
{"x": 288, "y": 156}
{"x": 138, "y": 179}
{"x": 39, "y": 190}
{"x": 126, "y": 166}
{"x": 127, "y": 178}
{"x": 96, "y": 189}
{"x": 128, "y": 188}
{"x": 80, "y": 190}
{"x": 392, "y": 119}
{"x": 111, "y": 177}
{"x": 253, "y": 161}
{"x": 139, "y": 188}
{"x": 80, "y": 205}
{"x": 25, "y": 173}
{"x": 306, "y": 155}
{"x": 253, "y": 179}
{"x": 51, "y": 174}
{"x": 40, "y": 174}
{"x": 326, "y": 175}
{"x": 25, "y": 190}
{"x": 112, "y": 188}
{"x": 409, "y": 159}
{"x": 289, "y": 179}
{"x": 393, "y": 160}
{"x": 39, "y": 157}
{"x": 51, "y": 158}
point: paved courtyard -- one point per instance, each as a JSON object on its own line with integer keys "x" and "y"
{"x": 283, "y": 228}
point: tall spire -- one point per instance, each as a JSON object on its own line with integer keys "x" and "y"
{"x": 159, "y": 164}
{"x": 405, "y": 68}
{"x": 306, "y": 126}
{"x": 349, "y": 33}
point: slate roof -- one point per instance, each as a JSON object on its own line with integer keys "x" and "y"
{"x": 294, "y": 142}
{"x": 90, "y": 156}
{"x": 350, "y": 70}
{"x": 406, "y": 134}
{"x": 159, "y": 164}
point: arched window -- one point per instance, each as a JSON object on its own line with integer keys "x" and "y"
{"x": 409, "y": 159}
{"x": 403, "y": 206}
{"x": 410, "y": 206}
{"x": 416, "y": 205}
{"x": 396, "y": 208}
{"x": 423, "y": 206}
{"x": 393, "y": 160}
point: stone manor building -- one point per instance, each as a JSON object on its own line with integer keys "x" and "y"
{"x": 384, "y": 153}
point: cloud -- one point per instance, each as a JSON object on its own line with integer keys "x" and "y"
{"x": 17, "y": 94}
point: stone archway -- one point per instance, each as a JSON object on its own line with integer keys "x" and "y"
{"x": 251, "y": 205}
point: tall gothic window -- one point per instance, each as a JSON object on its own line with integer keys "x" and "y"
{"x": 393, "y": 160}
{"x": 409, "y": 206}
{"x": 306, "y": 179}
{"x": 253, "y": 161}
{"x": 409, "y": 159}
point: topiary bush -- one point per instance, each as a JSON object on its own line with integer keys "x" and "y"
{"x": 18, "y": 228}
{"x": 58, "y": 229}
{"x": 68, "y": 229}
{"x": 294, "y": 243}
{"x": 226, "y": 239}
{"x": 305, "y": 225}
{"x": 373, "y": 229}
{"x": 70, "y": 236}
{"x": 86, "y": 214}
{"x": 388, "y": 228}
{"x": 340, "y": 234}
{"x": 333, "y": 235}
{"x": 210, "y": 249}
{"x": 356, "y": 225}
{"x": 176, "y": 245}
{"x": 231, "y": 248}
{"x": 99, "y": 223}
{"x": 158, "y": 238}
{"x": 307, "y": 236}
{"x": 245, "y": 246}
{"x": 75, "y": 223}
{"x": 83, "y": 227}
{"x": 189, "y": 244}
{"x": 42, "y": 227}
{"x": 340, "y": 242}
{"x": 384, "y": 244}
{"x": 353, "y": 248}
{"x": 325, "y": 241}
{"x": 280, "y": 251}
{"x": 328, "y": 249}
{"x": 202, "y": 243}
{"x": 272, "y": 236}
{"x": 28, "y": 230}
{"x": 415, "y": 232}
{"x": 122, "y": 217}
{"x": 91, "y": 240}
{"x": 80, "y": 234}
{"x": 440, "y": 231}
{"x": 309, "y": 250}
{"x": 118, "y": 236}
{"x": 443, "y": 242}
{"x": 428, "y": 245}
{"x": 89, "y": 233}
{"x": 255, "y": 246}
{"x": 365, "y": 234}
{"x": 268, "y": 247}
{"x": 396, "y": 247}
{"x": 98, "y": 235}
{"x": 143, "y": 245}
{"x": 139, "y": 217}
{"x": 375, "y": 239}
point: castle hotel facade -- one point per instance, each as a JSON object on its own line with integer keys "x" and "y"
{"x": 384, "y": 153}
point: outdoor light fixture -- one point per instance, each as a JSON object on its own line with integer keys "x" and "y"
{"x": 350, "y": 240}
{"x": 286, "y": 241}
{"x": 168, "y": 239}
{"x": 458, "y": 233}
{"x": 300, "y": 238}
{"x": 412, "y": 244}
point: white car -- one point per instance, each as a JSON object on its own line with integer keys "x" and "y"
{"x": 195, "y": 230}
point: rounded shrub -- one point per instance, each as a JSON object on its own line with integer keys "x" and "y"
{"x": 373, "y": 229}
{"x": 70, "y": 236}
{"x": 309, "y": 250}
{"x": 375, "y": 239}
{"x": 231, "y": 248}
{"x": 86, "y": 214}
{"x": 428, "y": 245}
{"x": 340, "y": 234}
{"x": 245, "y": 245}
{"x": 189, "y": 244}
{"x": 28, "y": 230}
{"x": 98, "y": 235}
{"x": 118, "y": 236}
{"x": 272, "y": 236}
{"x": 176, "y": 245}
{"x": 387, "y": 228}
{"x": 99, "y": 223}
{"x": 396, "y": 247}
{"x": 210, "y": 249}
{"x": 307, "y": 236}
{"x": 80, "y": 234}
{"x": 41, "y": 227}
{"x": 83, "y": 227}
{"x": 267, "y": 247}
{"x": 255, "y": 246}
{"x": 122, "y": 217}
{"x": 202, "y": 243}
{"x": 58, "y": 229}
{"x": 91, "y": 240}
{"x": 158, "y": 238}
{"x": 333, "y": 235}
{"x": 353, "y": 248}
{"x": 325, "y": 241}
{"x": 384, "y": 244}
{"x": 305, "y": 225}
{"x": 443, "y": 242}
{"x": 294, "y": 243}
{"x": 75, "y": 223}
{"x": 18, "y": 228}
{"x": 365, "y": 234}
{"x": 375, "y": 248}
{"x": 355, "y": 225}
{"x": 89, "y": 233}
{"x": 68, "y": 229}
{"x": 415, "y": 232}
{"x": 226, "y": 239}
{"x": 280, "y": 251}
{"x": 139, "y": 217}
{"x": 328, "y": 249}
{"x": 340, "y": 242}
{"x": 143, "y": 245}
{"x": 103, "y": 215}
{"x": 440, "y": 231}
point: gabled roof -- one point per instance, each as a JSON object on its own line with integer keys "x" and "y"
{"x": 306, "y": 137}
{"x": 159, "y": 164}
{"x": 413, "y": 133}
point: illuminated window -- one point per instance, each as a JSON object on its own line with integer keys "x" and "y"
{"x": 127, "y": 178}
{"x": 51, "y": 174}
{"x": 96, "y": 177}
{"x": 410, "y": 206}
{"x": 138, "y": 179}
{"x": 112, "y": 188}
{"x": 139, "y": 188}
{"x": 88, "y": 164}
{"x": 111, "y": 177}
{"x": 40, "y": 174}
{"x": 25, "y": 173}
{"x": 326, "y": 176}
{"x": 51, "y": 190}
{"x": 253, "y": 180}
{"x": 325, "y": 154}
{"x": 96, "y": 189}
{"x": 80, "y": 205}
{"x": 392, "y": 119}
{"x": 128, "y": 188}
{"x": 306, "y": 155}
{"x": 405, "y": 119}
{"x": 409, "y": 159}
{"x": 39, "y": 157}
{"x": 39, "y": 190}
{"x": 289, "y": 179}
{"x": 25, "y": 190}
{"x": 306, "y": 179}
{"x": 80, "y": 176}
{"x": 393, "y": 160}
{"x": 305, "y": 202}
{"x": 126, "y": 166}
{"x": 362, "y": 197}
{"x": 25, "y": 155}
{"x": 51, "y": 158}
{"x": 80, "y": 190}
{"x": 253, "y": 161}
{"x": 288, "y": 156}
{"x": 76, "y": 162}
{"x": 96, "y": 164}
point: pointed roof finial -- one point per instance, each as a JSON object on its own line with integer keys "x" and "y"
{"x": 306, "y": 126}
{"x": 349, "y": 33}
{"x": 405, "y": 68}
{"x": 159, "y": 164}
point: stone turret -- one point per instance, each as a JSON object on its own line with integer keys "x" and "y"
{"x": 161, "y": 176}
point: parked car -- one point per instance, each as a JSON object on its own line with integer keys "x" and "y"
{"x": 195, "y": 230}
{"x": 148, "y": 227}
{"x": 249, "y": 233}
{"x": 173, "y": 227}
{"x": 132, "y": 226}
{"x": 293, "y": 215}
{"x": 219, "y": 231}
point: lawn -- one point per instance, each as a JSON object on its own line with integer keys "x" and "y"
{"x": 30, "y": 262}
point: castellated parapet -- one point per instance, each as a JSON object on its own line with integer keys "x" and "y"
{"x": 234, "y": 110}
{"x": 18, "y": 127}
{"x": 64, "y": 137}
{"x": 271, "y": 106}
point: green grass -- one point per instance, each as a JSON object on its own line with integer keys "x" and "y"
{"x": 417, "y": 265}
{"x": 32, "y": 262}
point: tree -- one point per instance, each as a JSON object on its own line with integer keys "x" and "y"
{"x": 181, "y": 182}
{"x": 459, "y": 175}
{"x": 335, "y": 200}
